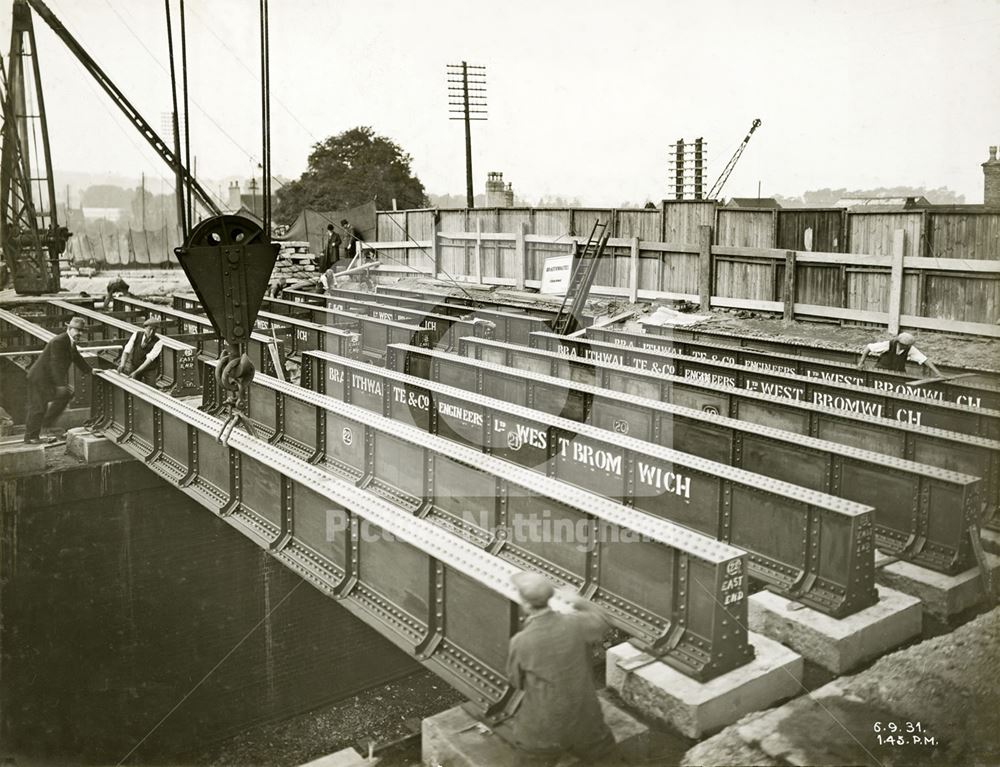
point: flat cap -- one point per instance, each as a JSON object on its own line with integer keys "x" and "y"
{"x": 535, "y": 589}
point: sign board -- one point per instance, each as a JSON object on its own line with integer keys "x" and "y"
{"x": 556, "y": 273}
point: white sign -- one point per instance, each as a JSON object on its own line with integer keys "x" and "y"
{"x": 556, "y": 273}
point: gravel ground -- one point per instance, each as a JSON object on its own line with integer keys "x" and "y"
{"x": 382, "y": 714}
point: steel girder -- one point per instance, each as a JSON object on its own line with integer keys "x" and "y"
{"x": 445, "y": 599}
{"x": 909, "y": 406}
{"x": 964, "y": 392}
{"x": 962, "y": 453}
{"x": 178, "y": 368}
{"x": 805, "y": 348}
{"x": 445, "y": 331}
{"x": 807, "y": 545}
{"x": 923, "y": 514}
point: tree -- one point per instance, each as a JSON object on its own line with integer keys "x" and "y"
{"x": 350, "y": 169}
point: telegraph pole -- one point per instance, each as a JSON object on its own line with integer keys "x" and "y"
{"x": 467, "y": 91}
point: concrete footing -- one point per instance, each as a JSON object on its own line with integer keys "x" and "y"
{"x": 942, "y": 595}
{"x": 346, "y": 757}
{"x": 18, "y": 458}
{"x": 696, "y": 708}
{"x": 991, "y": 540}
{"x": 454, "y": 738}
{"x": 838, "y": 644}
{"x": 91, "y": 448}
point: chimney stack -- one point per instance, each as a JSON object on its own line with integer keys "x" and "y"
{"x": 234, "y": 195}
{"x": 991, "y": 180}
{"x": 498, "y": 195}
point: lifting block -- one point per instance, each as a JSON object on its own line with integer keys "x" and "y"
{"x": 454, "y": 738}
{"x": 840, "y": 645}
{"x": 696, "y": 709}
{"x": 942, "y": 595}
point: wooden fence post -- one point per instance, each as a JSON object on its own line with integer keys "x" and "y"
{"x": 477, "y": 253}
{"x": 520, "y": 255}
{"x": 435, "y": 245}
{"x": 789, "y": 286}
{"x": 896, "y": 280}
{"x": 705, "y": 267}
{"x": 633, "y": 272}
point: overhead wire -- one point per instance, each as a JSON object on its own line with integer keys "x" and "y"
{"x": 189, "y": 200}
{"x": 206, "y": 113}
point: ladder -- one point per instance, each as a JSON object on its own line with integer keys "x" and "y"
{"x": 584, "y": 269}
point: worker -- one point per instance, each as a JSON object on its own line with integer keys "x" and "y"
{"x": 116, "y": 287}
{"x": 281, "y": 284}
{"x": 142, "y": 350}
{"x": 550, "y": 662}
{"x": 895, "y": 353}
{"x": 350, "y": 237}
{"x": 331, "y": 253}
{"x": 49, "y": 390}
{"x": 328, "y": 280}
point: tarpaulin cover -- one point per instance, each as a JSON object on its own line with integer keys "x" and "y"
{"x": 311, "y": 225}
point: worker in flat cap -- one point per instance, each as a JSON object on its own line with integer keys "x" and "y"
{"x": 550, "y": 662}
{"x": 141, "y": 352}
{"x": 49, "y": 390}
{"x": 894, "y": 353}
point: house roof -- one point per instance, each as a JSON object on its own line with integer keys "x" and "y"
{"x": 896, "y": 203}
{"x": 753, "y": 202}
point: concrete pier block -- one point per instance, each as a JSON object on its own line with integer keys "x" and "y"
{"x": 18, "y": 458}
{"x": 991, "y": 540}
{"x": 942, "y": 595}
{"x": 696, "y": 708}
{"x": 91, "y": 448}
{"x": 454, "y": 738}
{"x": 346, "y": 757}
{"x": 838, "y": 644}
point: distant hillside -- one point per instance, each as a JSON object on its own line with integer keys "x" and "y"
{"x": 825, "y": 198}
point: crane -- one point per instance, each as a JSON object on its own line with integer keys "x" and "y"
{"x": 30, "y": 235}
{"x": 31, "y": 238}
{"x": 713, "y": 193}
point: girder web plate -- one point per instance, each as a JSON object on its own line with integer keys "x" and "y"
{"x": 615, "y": 466}
{"x": 727, "y": 653}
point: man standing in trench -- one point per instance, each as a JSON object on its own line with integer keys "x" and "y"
{"x": 550, "y": 663}
{"x": 895, "y": 353}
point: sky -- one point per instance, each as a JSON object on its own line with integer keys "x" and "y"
{"x": 584, "y": 96}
